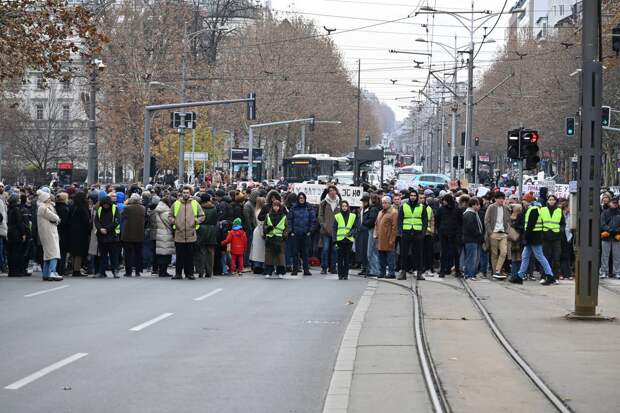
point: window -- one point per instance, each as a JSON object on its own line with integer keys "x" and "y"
{"x": 39, "y": 113}
{"x": 561, "y": 10}
{"x": 66, "y": 84}
{"x": 66, "y": 112}
{"x": 40, "y": 82}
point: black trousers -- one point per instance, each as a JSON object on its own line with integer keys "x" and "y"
{"x": 344, "y": 258}
{"x": 429, "y": 253}
{"x": 553, "y": 252}
{"x": 449, "y": 254}
{"x": 406, "y": 245}
{"x": 16, "y": 257}
{"x": 108, "y": 250}
{"x": 185, "y": 258}
{"x": 133, "y": 257}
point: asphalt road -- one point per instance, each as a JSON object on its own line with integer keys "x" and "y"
{"x": 157, "y": 345}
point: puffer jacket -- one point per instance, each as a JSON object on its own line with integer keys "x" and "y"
{"x": 302, "y": 218}
{"x": 610, "y": 222}
{"x": 163, "y": 235}
{"x": 249, "y": 211}
{"x": 3, "y": 223}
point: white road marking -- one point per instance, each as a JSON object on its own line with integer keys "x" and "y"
{"x": 151, "y": 322}
{"x": 337, "y": 399}
{"x": 207, "y": 295}
{"x": 47, "y": 370}
{"x": 47, "y": 291}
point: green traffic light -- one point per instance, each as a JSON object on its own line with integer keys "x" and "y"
{"x": 571, "y": 132}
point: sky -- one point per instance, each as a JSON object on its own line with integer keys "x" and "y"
{"x": 380, "y": 67}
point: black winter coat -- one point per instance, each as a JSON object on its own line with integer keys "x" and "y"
{"x": 15, "y": 223}
{"x": 79, "y": 228}
{"x": 472, "y": 232}
{"x": 448, "y": 221}
{"x": 370, "y": 217}
{"x": 64, "y": 231}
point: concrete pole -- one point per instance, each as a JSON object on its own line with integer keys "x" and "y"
{"x": 470, "y": 94}
{"x": 589, "y": 184}
{"x": 193, "y": 153}
{"x": 356, "y": 168}
{"x": 182, "y": 128}
{"x": 303, "y": 138}
{"x": 442, "y": 166}
{"x": 146, "y": 171}
{"x": 453, "y": 145}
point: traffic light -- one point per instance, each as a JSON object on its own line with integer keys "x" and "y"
{"x": 615, "y": 40}
{"x": 153, "y": 167}
{"x": 513, "y": 144}
{"x": 529, "y": 142}
{"x": 462, "y": 138}
{"x": 449, "y": 142}
{"x": 605, "y": 115}
{"x": 570, "y": 126}
{"x": 455, "y": 162}
{"x": 312, "y": 122}
{"x": 190, "y": 120}
{"x": 367, "y": 140}
{"x": 477, "y": 141}
{"x": 251, "y": 106}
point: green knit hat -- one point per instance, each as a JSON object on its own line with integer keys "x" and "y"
{"x": 237, "y": 222}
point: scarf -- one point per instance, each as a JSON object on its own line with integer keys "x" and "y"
{"x": 333, "y": 203}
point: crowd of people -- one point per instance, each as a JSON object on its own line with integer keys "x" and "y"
{"x": 217, "y": 230}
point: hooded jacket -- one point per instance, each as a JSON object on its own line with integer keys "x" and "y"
{"x": 164, "y": 236}
{"x": 401, "y": 217}
{"x": 107, "y": 220}
{"x": 302, "y": 217}
{"x": 249, "y": 211}
{"x": 448, "y": 220}
{"x": 238, "y": 241}
{"x": 262, "y": 215}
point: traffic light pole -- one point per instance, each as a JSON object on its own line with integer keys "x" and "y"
{"x": 149, "y": 112}
{"x": 588, "y": 210}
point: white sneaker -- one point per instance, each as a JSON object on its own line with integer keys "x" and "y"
{"x": 601, "y": 276}
{"x": 36, "y": 268}
{"x": 55, "y": 277}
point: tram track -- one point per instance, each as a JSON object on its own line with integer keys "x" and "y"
{"x": 436, "y": 392}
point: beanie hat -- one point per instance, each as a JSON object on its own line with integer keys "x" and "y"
{"x": 237, "y": 222}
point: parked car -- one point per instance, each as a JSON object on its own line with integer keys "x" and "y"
{"x": 430, "y": 180}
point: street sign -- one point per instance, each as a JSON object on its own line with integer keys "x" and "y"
{"x": 190, "y": 120}
{"x": 63, "y": 166}
{"x": 484, "y": 158}
{"x": 197, "y": 156}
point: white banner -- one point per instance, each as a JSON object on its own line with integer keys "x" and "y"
{"x": 351, "y": 194}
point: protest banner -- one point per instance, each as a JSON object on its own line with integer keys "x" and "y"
{"x": 351, "y": 194}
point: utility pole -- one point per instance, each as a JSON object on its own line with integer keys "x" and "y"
{"x": 92, "y": 126}
{"x": 442, "y": 161}
{"x": 454, "y": 110}
{"x": 303, "y": 138}
{"x": 182, "y": 114}
{"x": 470, "y": 94}
{"x": 589, "y": 181}
{"x": 356, "y": 166}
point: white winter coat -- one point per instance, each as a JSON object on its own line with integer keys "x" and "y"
{"x": 257, "y": 253}
{"x": 164, "y": 237}
{"x": 47, "y": 226}
{"x": 3, "y": 224}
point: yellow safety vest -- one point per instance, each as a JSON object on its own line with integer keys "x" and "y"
{"x": 412, "y": 219}
{"x": 344, "y": 228}
{"x": 278, "y": 230}
{"x": 538, "y": 227}
{"x": 176, "y": 207}
{"x": 117, "y": 230}
{"x": 551, "y": 222}
{"x": 429, "y": 214}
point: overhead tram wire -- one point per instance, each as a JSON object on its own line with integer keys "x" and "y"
{"x": 492, "y": 28}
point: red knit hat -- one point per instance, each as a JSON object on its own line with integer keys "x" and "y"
{"x": 529, "y": 197}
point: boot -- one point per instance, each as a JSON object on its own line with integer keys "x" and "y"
{"x": 403, "y": 275}
{"x": 419, "y": 276}
{"x": 295, "y": 271}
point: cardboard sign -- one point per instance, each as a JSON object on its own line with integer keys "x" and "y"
{"x": 351, "y": 194}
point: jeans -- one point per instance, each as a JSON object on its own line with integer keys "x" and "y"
{"x": 610, "y": 248}
{"x": 49, "y": 267}
{"x": 514, "y": 268}
{"x": 249, "y": 235}
{"x": 225, "y": 260}
{"x": 302, "y": 244}
{"x": 483, "y": 265}
{"x": 328, "y": 254}
{"x": 373, "y": 256}
{"x": 289, "y": 252}
{"x": 471, "y": 260}
{"x": 387, "y": 258}
{"x": 537, "y": 250}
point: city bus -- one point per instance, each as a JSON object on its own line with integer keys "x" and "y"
{"x": 308, "y": 167}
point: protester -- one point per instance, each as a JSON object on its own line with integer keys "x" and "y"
{"x": 448, "y": 222}
{"x": 164, "y": 237}
{"x": 361, "y": 240}
{"x": 610, "y": 239}
{"x": 206, "y": 239}
{"x": 302, "y": 222}
{"x": 16, "y": 239}
{"x": 132, "y": 234}
{"x": 327, "y": 210}
{"x": 472, "y": 238}
{"x": 370, "y": 220}
{"x": 79, "y": 230}
{"x": 48, "y": 221}
{"x": 413, "y": 222}
{"x": 185, "y": 218}
{"x": 385, "y": 232}
{"x": 275, "y": 232}
{"x": 257, "y": 251}
{"x": 497, "y": 225}
{"x": 238, "y": 243}
{"x": 553, "y": 226}
{"x": 108, "y": 230}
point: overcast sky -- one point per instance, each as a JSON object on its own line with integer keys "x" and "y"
{"x": 372, "y": 45}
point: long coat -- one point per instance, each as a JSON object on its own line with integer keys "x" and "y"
{"x": 257, "y": 252}
{"x": 48, "y": 231}
{"x": 62, "y": 210}
{"x": 79, "y": 228}
{"x": 133, "y": 216}
{"x": 3, "y": 223}
{"x": 386, "y": 229}
{"x": 164, "y": 237}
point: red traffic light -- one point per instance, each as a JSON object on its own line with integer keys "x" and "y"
{"x": 534, "y": 137}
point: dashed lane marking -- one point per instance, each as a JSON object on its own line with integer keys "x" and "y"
{"x": 207, "y": 295}
{"x": 47, "y": 370}
{"x": 47, "y": 291}
{"x": 151, "y": 322}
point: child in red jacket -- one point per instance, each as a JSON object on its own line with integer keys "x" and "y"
{"x": 238, "y": 243}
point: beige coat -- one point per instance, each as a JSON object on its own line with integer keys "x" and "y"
{"x": 47, "y": 221}
{"x": 185, "y": 222}
{"x": 386, "y": 229}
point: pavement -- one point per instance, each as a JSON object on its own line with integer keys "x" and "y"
{"x": 303, "y": 344}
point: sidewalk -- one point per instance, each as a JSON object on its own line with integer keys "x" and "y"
{"x": 386, "y": 375}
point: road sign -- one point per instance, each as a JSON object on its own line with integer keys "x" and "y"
{"x": 197, "y": 156}
{"x": 484, "y": 158}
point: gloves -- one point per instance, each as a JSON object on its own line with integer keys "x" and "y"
{"x": 617, "y": 237}
{"x": 605, "y": 234}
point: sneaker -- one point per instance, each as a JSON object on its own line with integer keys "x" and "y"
{"x": 543, "y": 281}
{"x": 307, "y": 272}
{"x": 601, "y": 276}
{"x": 498, "y": 276}
{"x": 190, "y": 277}
{"x": 323, "y": 271}
{"x": 548, "y": 280}
{"x": 55, "y": 277}
{"x": 420, "y": 277}
{"x": 531, "y": 277}
{"x": 515, "y": 280}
